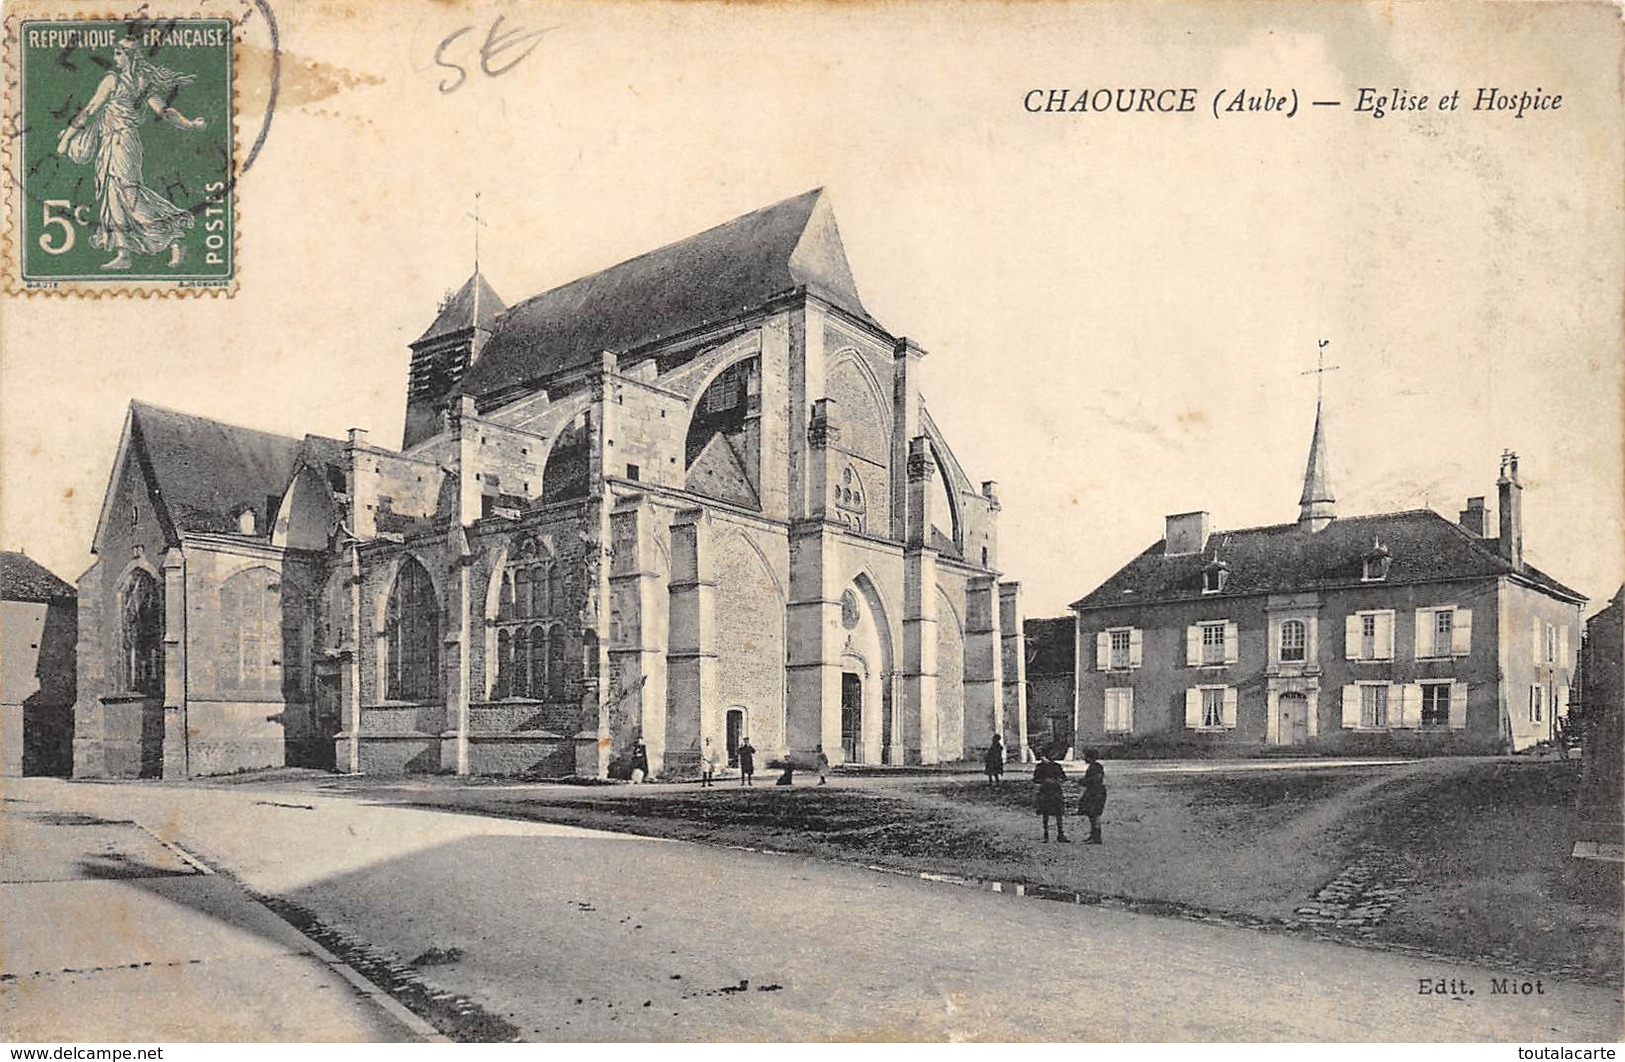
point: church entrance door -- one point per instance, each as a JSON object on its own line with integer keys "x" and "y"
{"x": 1294, "y": 719}
{"x": 325, "y": 724}
{"x": 736, "y": 733}
{"x": 851, "y": 718}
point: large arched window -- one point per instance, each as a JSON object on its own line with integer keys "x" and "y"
{"x": 413, "y": 629}
{"x": 250, "y": 632}
{"x": 531, "y": 590}
{"x": 143, "y": 634}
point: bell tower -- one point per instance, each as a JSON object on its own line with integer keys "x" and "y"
{"x": 443, "y": 354}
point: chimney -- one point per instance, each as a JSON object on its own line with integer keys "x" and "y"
{"x": 1187, "y": 533}
{"x": 1474, "y": 518}
{"x": 1511, "y": 499}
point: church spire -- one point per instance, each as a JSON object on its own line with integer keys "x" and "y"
{"x": 1317, "y": 506}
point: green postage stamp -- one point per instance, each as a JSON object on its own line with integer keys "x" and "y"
{"x": 121, "y": 156}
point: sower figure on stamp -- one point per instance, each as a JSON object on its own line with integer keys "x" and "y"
{"x": 1049, "y": 778}
{"x": 132, "y": 217}
{"x": 1093, "y": 802}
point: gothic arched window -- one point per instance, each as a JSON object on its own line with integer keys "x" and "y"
{"x": 555, "y": 665}
{"x": 504, "y": 678}
{"x": 539, "y": 662}
{"x": 143, "y": 634}
{"x": 413, "y": 629}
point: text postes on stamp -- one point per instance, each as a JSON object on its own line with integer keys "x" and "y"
{"x": 123, "y": 157}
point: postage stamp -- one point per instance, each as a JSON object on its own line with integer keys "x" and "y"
{"x": 121, "y": 161}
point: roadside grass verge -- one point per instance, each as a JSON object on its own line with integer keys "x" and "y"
{"x": 1481, "y": 845}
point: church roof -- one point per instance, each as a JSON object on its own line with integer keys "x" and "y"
{"x": 715, "y": 275}
{"x": 22, "y": 578}
{"x": 206, "y": 473}
{"x": 474, "y": 305}
{"x": 1423, "y": 546}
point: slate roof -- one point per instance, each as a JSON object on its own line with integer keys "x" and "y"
{"x": 24, "y": 579}
{"x": 715, "y": 275}
{"x": 474, "y": 305}
{"x": 1050, "y": 645}
{"x": 206, "y": 472}
{"x": 1424, "y": 547}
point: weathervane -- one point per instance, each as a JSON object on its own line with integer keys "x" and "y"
{"x": 1320, "y": 371}
{"x": 477, "y": 225}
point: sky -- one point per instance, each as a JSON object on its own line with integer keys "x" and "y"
{"x": 1119, "y": 309}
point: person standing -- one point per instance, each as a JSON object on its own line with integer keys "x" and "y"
{"x": 747, "y": 762}
{"x": 1050, "y": 779}
{"x": 640, "y": 762}
{"x": 709, "y": 760}
{"x": 994, "y": 761}
{"x": 1093, "y": 801}
{"x": 823, "y": 767}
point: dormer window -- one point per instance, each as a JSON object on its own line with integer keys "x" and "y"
{"x": 246, "y": 522}
{"x": 1214, "y": 576}
{"x": 1377, "y": 560}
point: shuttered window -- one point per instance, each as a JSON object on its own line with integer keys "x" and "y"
{"x": 1119, "y": 710}
{"x": 1373, "y": 706}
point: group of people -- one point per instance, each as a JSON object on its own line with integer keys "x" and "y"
{"x": 711, "y": 761}
{"x": 1047, "y": 776}
{"x": 1051, "y": 782}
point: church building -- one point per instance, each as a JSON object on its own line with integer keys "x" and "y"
{"x": 1401, "y": 630}
{"x": 694, "y": 497}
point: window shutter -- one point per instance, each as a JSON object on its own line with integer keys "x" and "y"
{"x": 1136, "y": 646}
{"x": 1351, "y": 706}
{"x": 1193, "y": 646}
{"x": 1534, "y": 640}
{"x": 1424, "y": 641}
{"x": 1230, "y": 707}
{"x": 1193, "y": 708}
{"x": 1103, "y": 651}
{"x": 1232, "y": 643}
{"x": 1351, "y": 637}
{"x": 1563, "y": 646}
{"x": 1385, "y": 636}
{"x": 1461, "y": 634}
{"x": 1410, "y": 703}
{"x": 1127, "y": 702}
{"x": 1561, "y": 707}
{"x": 1458, "y": 705}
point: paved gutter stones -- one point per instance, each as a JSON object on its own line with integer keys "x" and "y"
{"x": 1361, "y": 894}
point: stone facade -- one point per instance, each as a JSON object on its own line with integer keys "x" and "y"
{"x": 705, "y": 506}
{"x": 1396, "y": 632}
